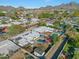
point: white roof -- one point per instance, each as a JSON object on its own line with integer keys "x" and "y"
{"x": 34, "y": 19}
{"x": 17, "y": 23}
{"x": 3, "y": 25}
{"x": 43, "y": 29}
{"x": 6, "y": 46}
{"x": 23, "y": 42}
{"x": 27, "y": 37}
{"x": 32, "y": 36}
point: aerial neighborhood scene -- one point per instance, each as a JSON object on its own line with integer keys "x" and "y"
{"x": 39, "y": 29}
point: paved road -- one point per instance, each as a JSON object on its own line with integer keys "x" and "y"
{"x": 55, "y": 56}
{"x": 51, "y": 52}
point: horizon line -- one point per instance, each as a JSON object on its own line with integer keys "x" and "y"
{"x": 29, "y": 7}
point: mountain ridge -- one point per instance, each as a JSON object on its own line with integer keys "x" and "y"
{"x": 71, "y": 5}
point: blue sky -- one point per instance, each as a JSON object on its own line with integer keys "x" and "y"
{"x": 33, "y": 3}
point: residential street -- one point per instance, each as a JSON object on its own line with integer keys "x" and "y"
{"x": 58, "y": 51}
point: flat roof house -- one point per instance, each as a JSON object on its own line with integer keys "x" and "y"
{"x": 7, "y": 46}
{"x": 39, "y": 52}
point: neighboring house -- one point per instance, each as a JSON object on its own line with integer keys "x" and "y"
{"x": 4, "y": 28}
{"x": 43, "y": 29}
{"x": 73, "y": 20}
{"x": 16, "y": 23}
{"x": 39, "y": 52}
{"x": 4, "y": 25}
{"x": 76, "y": 26}
{"x": 49, "y": 24}
{"x": 35, "y": 20}
{"x": 6, "y": 19}
{"x": 26, "y": 38}
{"x": 24, "y": 20}
{"x": 7, "y": 47}
{"x": 21, "y": 41}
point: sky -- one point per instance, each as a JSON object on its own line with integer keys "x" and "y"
{"x": 34, "y": 3}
